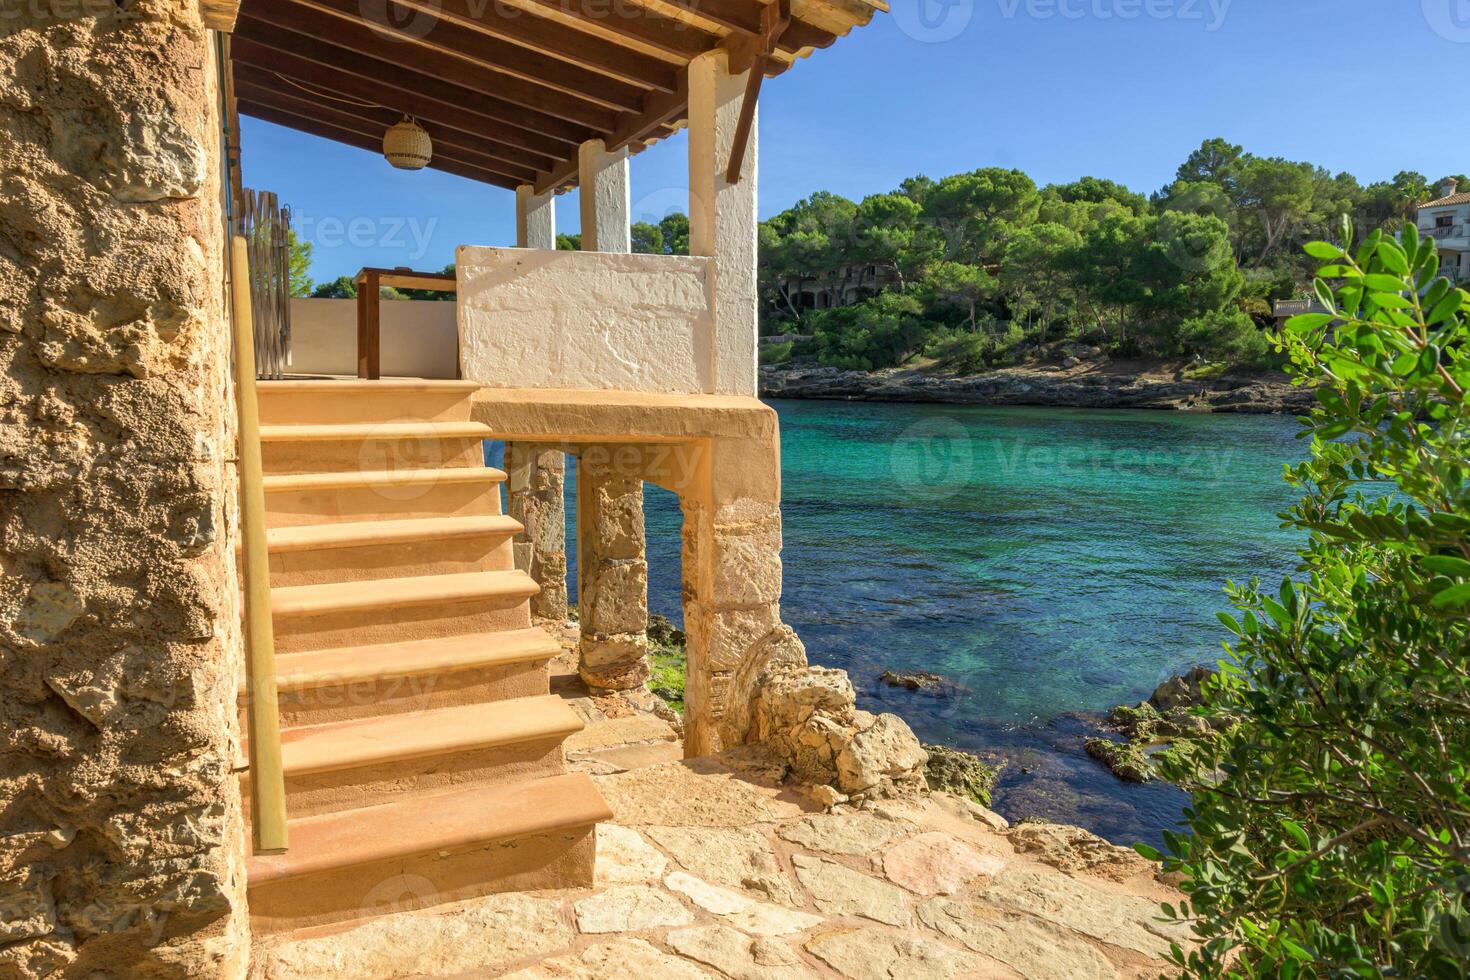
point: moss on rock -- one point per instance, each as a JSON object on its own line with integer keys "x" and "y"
{"x": 962, "y": 773}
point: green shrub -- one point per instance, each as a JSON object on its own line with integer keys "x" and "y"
{"x": 776, "y": 353}
{"x": 1330, "y": 829}
{"x": 1230, "y": 336}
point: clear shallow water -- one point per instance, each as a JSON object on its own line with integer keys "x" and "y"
{"x": 1047, "y": 561}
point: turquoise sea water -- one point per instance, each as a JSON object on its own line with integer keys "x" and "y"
{"x": 1049, "y": 562}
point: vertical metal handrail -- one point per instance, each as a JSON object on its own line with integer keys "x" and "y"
{"x": 267, "y": 782}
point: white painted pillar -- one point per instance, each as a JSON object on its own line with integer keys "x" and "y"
{"x": 603, "y": 181}
{"x": 722, "y": 217}
{"x": 535, "y": 218}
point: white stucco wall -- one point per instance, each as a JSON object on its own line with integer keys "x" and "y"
{"x": 530, "y": 318}
{"x": 417, "y": 337}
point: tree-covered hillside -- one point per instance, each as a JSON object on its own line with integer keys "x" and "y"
{"x": 981, "y": 269}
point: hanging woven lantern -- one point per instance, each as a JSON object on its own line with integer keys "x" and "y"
{"x": 407, "y": 145}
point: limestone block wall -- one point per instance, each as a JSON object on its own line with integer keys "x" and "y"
{"x": 530, "y": 318}
{"x": 120, "y": 818}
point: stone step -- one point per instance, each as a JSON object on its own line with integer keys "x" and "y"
{"x": 350, "y": 400}
{"x": 354, "y": 495}
{"x": 428, "y": 850}
{"x": 444, "y": 731}
{"x": 386, "y": 661}
{"x": 360, "y": 534}
{"x": 505, "y": 587}
{"x": 372, "y": 446}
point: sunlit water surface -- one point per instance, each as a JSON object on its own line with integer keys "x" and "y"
{"x": 1051, "y": 563}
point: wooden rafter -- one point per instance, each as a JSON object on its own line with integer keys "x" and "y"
{"x": 545, "y": 36}
{"x": 481, "y": 56}
{"x": 651, "y": 122}
{"x": 373, "y": 80}
{"x": 373, "y": 123}
{"x": 285, "y": 27}
{"x": 509, "y": 89}
{"x": 338, "y": 135}
{"x": 775, "y": 20}
{"x": 265, "y": 89}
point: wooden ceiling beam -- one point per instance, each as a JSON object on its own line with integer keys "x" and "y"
{"x": 548, "y": 37}
{"x": 443, "y": 104}
{"x": 376, "y": 121}
{"x": 372, "y": 133}
{"x": 313, "y": 128}
{"x": 333, "y": 42}
{"x": 482, "y": 50}
{"x": 745, "y": 17}
{"x": 638, "y": 23}
{"x": 367, "y": 79}
{"x": 662, "y": 110}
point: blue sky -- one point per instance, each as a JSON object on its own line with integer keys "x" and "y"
{"x": 1122, "y": 89}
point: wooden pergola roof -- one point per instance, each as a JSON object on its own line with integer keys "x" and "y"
{"x": 507, "y": 89}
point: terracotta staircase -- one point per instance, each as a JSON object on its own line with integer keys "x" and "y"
{"x": 421, "y": 746}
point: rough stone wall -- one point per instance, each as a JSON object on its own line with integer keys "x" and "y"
{"x": 535, "y": 496}
{"x": 120, "y": 820}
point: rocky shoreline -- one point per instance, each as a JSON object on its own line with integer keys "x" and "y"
{"x": 1080, "y": 384}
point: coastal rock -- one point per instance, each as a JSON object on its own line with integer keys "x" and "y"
{"x": 807, "y": 718}
{"x": 869, "y": 954}
{"x": 1041, "y": 385}
{"x": 1123, "y": 759}
{"x": 961, "y": 773}
{"x": 915, "y": 680}
{"x": 839, "y": 890}
{"x": 1077, "y": 851}
{"x": 885, "y": 753}
{"x": 937, "y": 864}
{"x": 1182, "y": 691}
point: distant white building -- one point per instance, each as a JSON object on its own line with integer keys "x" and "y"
{"x": 1447, "y": 219}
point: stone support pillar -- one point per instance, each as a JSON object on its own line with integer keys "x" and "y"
{"x": 722, "y": 217}
{"x": 612, "y": 568}
{"x": 602, "y": 180}
{"x": 120, "y": 645}
{"x": 535, "y": 496}
{"x": 732, "y": 583}
{"x": 535, "y": 218}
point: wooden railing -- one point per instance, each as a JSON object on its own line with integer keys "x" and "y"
{"x": 267, "y": 782}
